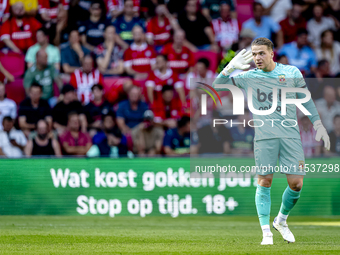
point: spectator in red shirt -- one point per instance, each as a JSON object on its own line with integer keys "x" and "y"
{"x": 84, "y": 78}
{"x": 140, "y": 56}
{"x": 4, "y": 10}
{"x": 48, "y": 9}
{"x": 116, "y": 7}
{"x": 181, "y": 59}
{"x": 73, "y": 141}
{"x": 160, "y": 77}
{"x": 292, "y": 24}
{"x": 18, "y": 33}
{"x": 167, "y": 109}
{"x": 159, "y": 27}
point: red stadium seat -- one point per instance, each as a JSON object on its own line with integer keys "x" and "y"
{"x": 211, "y": 56}
{"x": 15, "y": 90}
{"x": 13, "y": 63}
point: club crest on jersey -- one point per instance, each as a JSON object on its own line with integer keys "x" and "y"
{"x": 282, "y": 78}
{"x": 301, "y": 165}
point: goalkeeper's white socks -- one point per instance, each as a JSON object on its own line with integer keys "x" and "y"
{"x": 267, "y": 235}
{"x": 281, "y": 218}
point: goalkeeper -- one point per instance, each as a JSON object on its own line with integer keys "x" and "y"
{"x": 274, "y": 141}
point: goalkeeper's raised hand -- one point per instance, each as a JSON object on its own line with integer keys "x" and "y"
{"x": 321, "y": 133}
{"x": 240, "y": 61}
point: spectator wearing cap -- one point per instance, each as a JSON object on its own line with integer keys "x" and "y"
{"x": 211, "y": 9}
{"x": 318, "y": 24}
{"x": 12, "y": 141}
{"x": 329, "y": 50}
{"x": 8, "y": 106}
{"x": 73, "y": 141}
{"x": 42, "y": 144}
{"x": 73, "y": 53}
{"x": 201, "y": 73}
{"x": 161, "y": 76}
{"x": 181, "y": 58}
{"x": 299, "y": 54}
{"x": 328, "y": 107}
{"x": 276, "y": 9}
{"x": 225, "y": 28}
{"x": 147, "y": 137}
{"x": 198, "y": 31}
{"x": 43, "y": 74}
{"x": 246, "y": 37}
{"x": 293, "y": 23}
{"x": 168, "y": 108}
{"x": 17, "y": 33}
{"x": 97, "y": 107}
{"x": 109, "y": 55}
{"x": 334, "y": 136}
{"x": 84, "y": 78}
{"x": 159, "y": 27}
{"x": 130, "y": 112}
{"x": 110, "y": 140}
{"x": 33, "y": 108}
{"x": 53, "y": 53}
{"x": 264, "y": 26}
{"x": 68, "y": 104}
{"x": 92, "y": 30}
{"x": 127, "y": 21}
{"x": 140, "y": 56}
{"x": 177, "y": 140}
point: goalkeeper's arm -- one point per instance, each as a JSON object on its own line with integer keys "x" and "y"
{"x": 240, "y": 61}
{"x": 321, "y": 132}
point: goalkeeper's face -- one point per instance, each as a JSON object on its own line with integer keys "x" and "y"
{"x": 263, "y": 56}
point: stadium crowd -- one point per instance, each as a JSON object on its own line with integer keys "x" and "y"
{"x": 114, "y": 77}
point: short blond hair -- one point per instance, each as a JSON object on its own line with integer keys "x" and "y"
{"x": 263, "y": 41}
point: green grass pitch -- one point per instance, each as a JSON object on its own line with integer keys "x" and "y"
{"x": 162, "y": 235}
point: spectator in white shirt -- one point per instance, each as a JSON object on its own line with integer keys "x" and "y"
{"x": 12, "y": 141}
{"x": 276, "y": 9}
{"x": 7, "y": 106}
{"x": 318, "y": 24}
{"x": 329, "y": 50}
{"x": 328, "y": 107}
